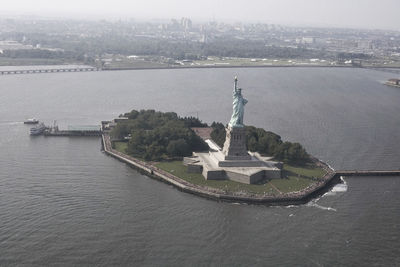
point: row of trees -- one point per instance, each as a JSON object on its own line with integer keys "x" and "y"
{"x": 158, "y": 135}
{"x": 47, "y": 54}
{"x": 32, "y": 53}
{"x": 267, "y": 143}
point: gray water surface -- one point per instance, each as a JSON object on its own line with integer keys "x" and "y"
{"x": 63, "y": 202}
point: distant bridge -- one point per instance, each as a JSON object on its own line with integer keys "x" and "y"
{"x": 48, "y": 70}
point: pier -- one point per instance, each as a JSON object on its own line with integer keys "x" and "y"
{"x": 369, "y": 173}
{"x": 73, "y": 133}
{"x": 81, "y": 130}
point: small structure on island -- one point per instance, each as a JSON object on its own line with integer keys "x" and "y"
{"x": 233, "y": 161}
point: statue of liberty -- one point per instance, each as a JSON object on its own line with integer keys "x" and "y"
{"x": 238, "y": 107}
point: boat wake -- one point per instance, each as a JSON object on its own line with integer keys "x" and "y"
{"x": 339, "y": 188}
{"x": 10, "y": 122}
{"x": 315, "y": 205}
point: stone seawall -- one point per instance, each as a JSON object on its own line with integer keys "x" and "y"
{"x": 299, "y": 197}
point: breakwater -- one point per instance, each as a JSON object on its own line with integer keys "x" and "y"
{"x": 369, "y": 173}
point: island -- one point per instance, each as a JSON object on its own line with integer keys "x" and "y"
{"x": 235, "y": 162}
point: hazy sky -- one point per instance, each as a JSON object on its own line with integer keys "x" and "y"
{"x": 343, "y": 13}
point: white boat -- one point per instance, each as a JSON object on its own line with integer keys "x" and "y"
{"x": 31, "y": 121}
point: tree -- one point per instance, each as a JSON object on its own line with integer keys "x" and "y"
{"x": 219, "y": 133}
{"x": 158, "y": 135}
{"x": 267, "y": 143}
{"x": 120, "y": 131}
{"x": 178, "y": 148}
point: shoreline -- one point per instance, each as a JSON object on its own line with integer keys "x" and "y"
{"x": 250, "y": 66}
{"x": 228, "y": 67}
{"x": 30, "y": 69}
{"x": 293, "y": 198}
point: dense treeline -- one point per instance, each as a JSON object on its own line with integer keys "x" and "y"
{"x": 229, "y": 47}
{"x": 267, "y": 143}
{"x": 159, "y": 135}
{"x": 32, "y": 53}
{"x": 46, "y": 54}
{"x": 218, "y": 133}
{"x": 88, "y": 48}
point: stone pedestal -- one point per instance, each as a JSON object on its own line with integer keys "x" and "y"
{"x": 235, "y": 144}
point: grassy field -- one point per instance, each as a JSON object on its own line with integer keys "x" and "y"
{"x": 297, "y": 178}
{"x": 179, "y": 170}
{"x": 120, "y": 146}
{"x": 294, "y": 179}
{"x": 291, "y": 184}
{"x": 309, "y": 171}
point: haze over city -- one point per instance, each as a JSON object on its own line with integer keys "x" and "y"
{"x": 374, "y": 14}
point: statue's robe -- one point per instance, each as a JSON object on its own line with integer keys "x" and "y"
{"x": 238, "y": 109}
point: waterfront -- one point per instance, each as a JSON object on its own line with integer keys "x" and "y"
{"x": 64, "y": 202}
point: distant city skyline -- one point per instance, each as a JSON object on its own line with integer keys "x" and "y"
{"x": 373, "y": 14}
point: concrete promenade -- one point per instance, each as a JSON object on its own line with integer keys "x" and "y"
{"x": 298, "y": 197}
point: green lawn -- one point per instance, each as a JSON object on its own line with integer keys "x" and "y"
{"x": 294, "y": 179}
{"x": 291, "y": 184}
{"x": 297, "y": 178}
{"x": 308, "y": 171}
{"x": 178, "y": 169}
{"x": 120, "y": 146}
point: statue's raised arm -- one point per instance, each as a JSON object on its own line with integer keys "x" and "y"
{"x": 238, "y": 107}
{"x": 235, "y": 85}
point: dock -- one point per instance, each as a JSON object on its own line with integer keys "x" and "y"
{"x": 369, "y": 173}
{"x": 80, "y": 130}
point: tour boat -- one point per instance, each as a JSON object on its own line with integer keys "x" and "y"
{"x": 31, "y": 121}
{"x": 393, "y": 82}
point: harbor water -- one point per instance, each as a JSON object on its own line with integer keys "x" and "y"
{"x": 65, "y": 203}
